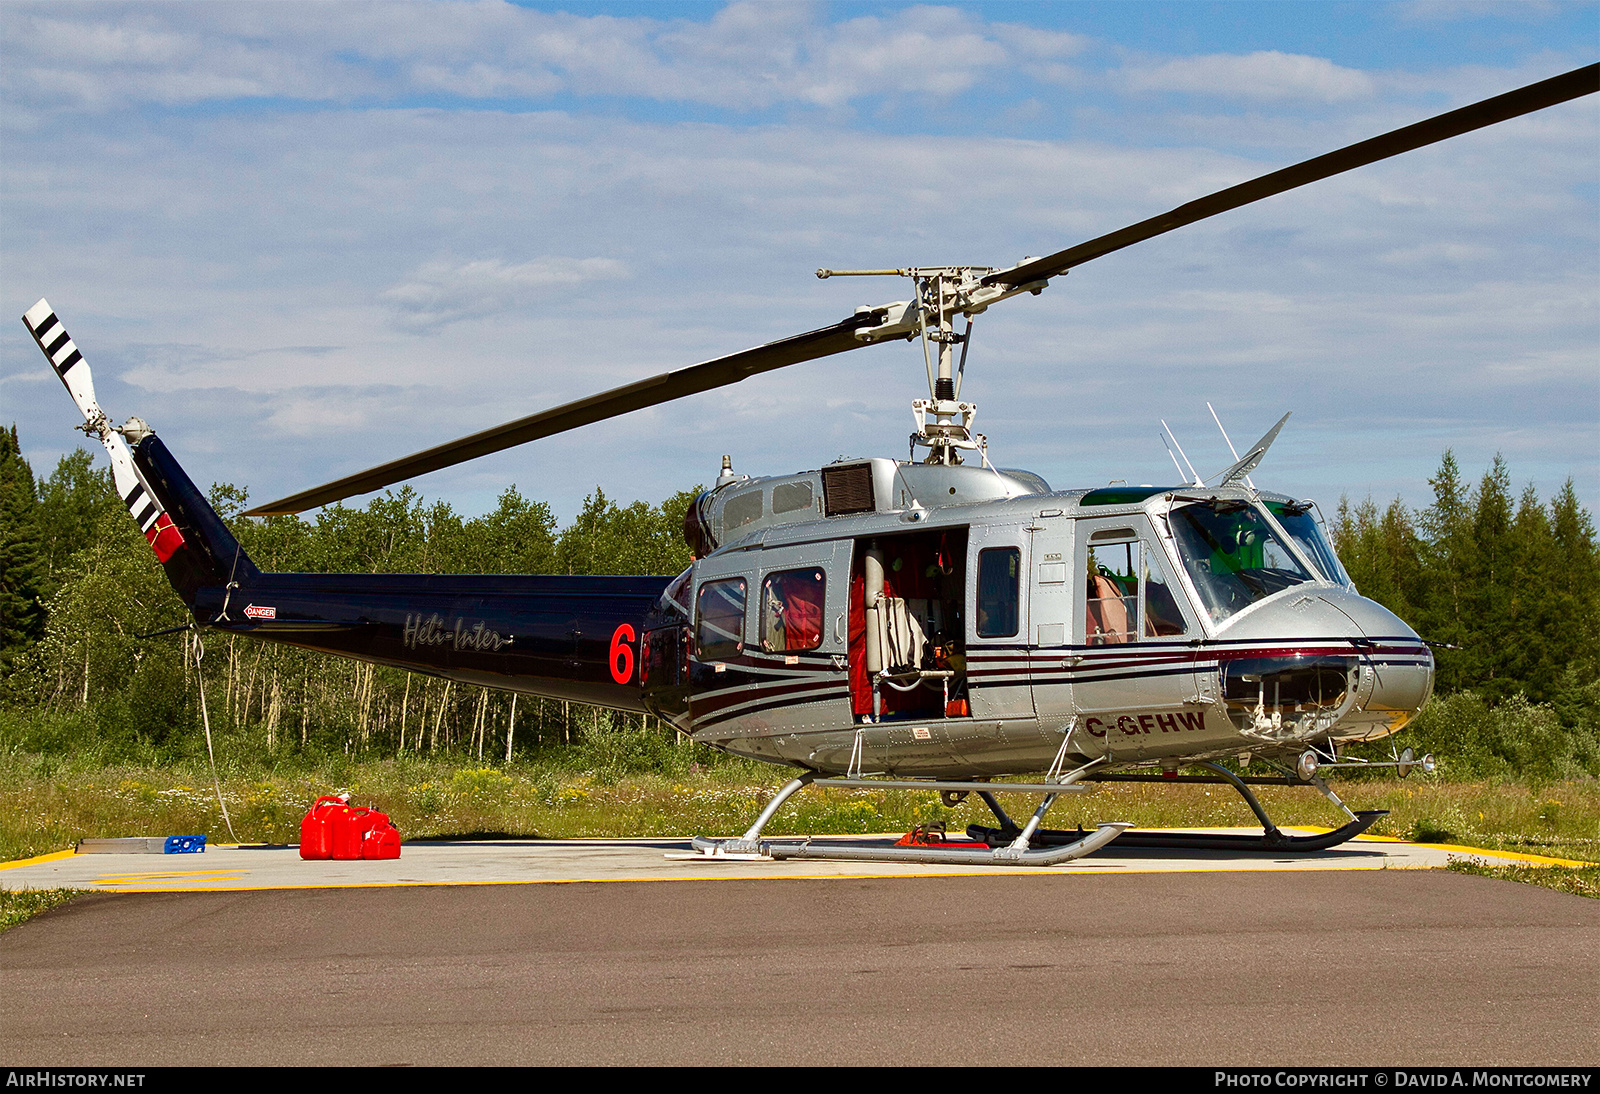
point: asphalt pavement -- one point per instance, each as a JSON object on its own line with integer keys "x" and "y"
{"x": 1304, "y": 967}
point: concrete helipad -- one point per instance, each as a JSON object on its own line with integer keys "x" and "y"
{"x": 503, "y": 862}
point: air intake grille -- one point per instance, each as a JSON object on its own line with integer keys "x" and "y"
{"x": 847, "y": 490}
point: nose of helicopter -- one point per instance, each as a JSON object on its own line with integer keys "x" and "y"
{"x": 1401, "y": 663}
{"x": 1327, "y": 660}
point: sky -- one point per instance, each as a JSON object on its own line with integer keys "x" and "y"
{"x": 300, "y": 240}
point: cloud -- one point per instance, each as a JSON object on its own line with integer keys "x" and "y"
{"x": 1266, "y": 75}
{"x": 443, "y": 292}
{"x": 747, "y": 56}
{"x": 428, "y": 260}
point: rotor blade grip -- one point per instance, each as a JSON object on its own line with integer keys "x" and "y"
{"x": 1526, "y": 100}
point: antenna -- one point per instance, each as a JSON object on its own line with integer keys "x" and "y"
{"x": 1174, "y": 459}
{"x": 1197, "y": 480}
{"x": 1232, "y": 449}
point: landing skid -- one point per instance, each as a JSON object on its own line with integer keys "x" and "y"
{"x": 1017, "y": 851}
{"x": 1272, "y": 838}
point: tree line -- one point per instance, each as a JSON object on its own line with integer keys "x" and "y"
{"x": 1506, "y": 586}
{"x": 82, "y": 597}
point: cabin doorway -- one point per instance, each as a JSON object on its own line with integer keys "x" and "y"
{"x": 906, "y": 648}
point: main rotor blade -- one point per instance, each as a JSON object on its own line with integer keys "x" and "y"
{"x": 1557, "y": 89}
{"x": 840, "y": 337}
{"x": 720, "y": 372}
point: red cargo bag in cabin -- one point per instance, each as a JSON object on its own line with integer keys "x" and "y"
{"x": 316, "y": 829}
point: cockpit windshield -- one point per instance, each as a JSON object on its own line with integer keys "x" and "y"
{"x": 1302, "y": 527}
{"x": 1233, "y": 556}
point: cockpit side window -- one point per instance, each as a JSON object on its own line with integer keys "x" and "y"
{"x": 1233, "y": 556}
{"x": 1162, "y": 616}
{"x": 1129, "y": 595}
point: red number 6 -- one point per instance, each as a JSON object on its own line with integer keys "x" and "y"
{"x": 622, "y": 653}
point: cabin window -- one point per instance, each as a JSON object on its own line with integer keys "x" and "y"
{"x": 791, "y": 497}
{"x": 676, "y": 595}
{"x": 719, "y": 630}
{"x": 741, "y": 509}
{"x": 999, "y": 588}
{"x": 791, "y": 610}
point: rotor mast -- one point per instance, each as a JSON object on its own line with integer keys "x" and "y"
{"x": 941, "y": 423}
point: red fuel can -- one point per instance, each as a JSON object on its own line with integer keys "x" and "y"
{"x": 349, "y": 825}
{"x": 316, "y": 829}
{"x": 379, "y": 838}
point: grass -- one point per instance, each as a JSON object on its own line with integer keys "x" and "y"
{"x": 1580, "y": 881}
{"x": 19, "y": 905}
{"x": 49, "y": 802}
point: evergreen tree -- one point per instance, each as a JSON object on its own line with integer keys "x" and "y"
{"x": 1574, "y": 592}
{"x": 1489, "y": 630}
{"x": 22, "y": 569}
{"x": 1535, "y": 647}
{"x": 1449, "y": 559}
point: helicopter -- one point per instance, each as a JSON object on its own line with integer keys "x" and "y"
{"x": 933, "y": 623}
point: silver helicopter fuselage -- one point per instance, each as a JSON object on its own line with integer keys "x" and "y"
{"x": 968, "y": 622}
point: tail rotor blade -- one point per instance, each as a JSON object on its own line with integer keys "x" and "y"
{"x": 63, "y": 355}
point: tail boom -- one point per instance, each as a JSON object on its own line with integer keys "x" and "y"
{"x": 572, "y": 638}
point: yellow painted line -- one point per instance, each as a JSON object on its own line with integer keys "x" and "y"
{"x": 35, "y": 860}
{"x": 1532, "y": 860}
{"x": 1035, "y": 871}
{"x": 171, "y": 875}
